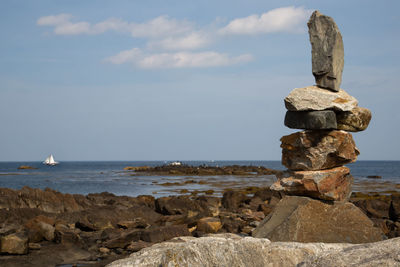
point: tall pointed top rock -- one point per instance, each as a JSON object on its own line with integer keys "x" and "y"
{"x": 327, "y": 51}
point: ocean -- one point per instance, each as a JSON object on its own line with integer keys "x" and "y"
{"x": 100, "y": 176}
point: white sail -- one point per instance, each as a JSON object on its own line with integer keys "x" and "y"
{"x": 50, "y": 160}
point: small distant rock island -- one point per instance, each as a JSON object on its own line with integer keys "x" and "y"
{"x": 202, "y": 170}
{"x": 26, "y": 167}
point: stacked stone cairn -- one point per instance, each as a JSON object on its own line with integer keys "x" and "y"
{"x": 315, "y": 157}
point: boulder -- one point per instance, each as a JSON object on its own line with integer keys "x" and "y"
{"x": 311, "y": 120}
{"x": 355, "y": 120}
{"x": 135, "y": 223}
{"x": 16, "y": 243}
{"x": 164, "y": 233}
{"x": 176, "y": 205}
{"x": 47, "y": 200}
{"x": 394, "y": 208}
{"x": 330, "y": 184}
{"x": 209, "y": 225}
{"x": 231, "y": 250}
{"x": 124, "y": 239}
{"x": 232, "y": 199}
{"x": 317, "y": 150}
{"x": 327, "y": 51}
{"x": 315, "y": 98}
{"x": 302, "y": 219}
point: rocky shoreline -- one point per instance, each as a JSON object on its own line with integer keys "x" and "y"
{"x": 48, "y": 228}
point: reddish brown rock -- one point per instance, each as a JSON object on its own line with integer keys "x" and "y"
{"x": 318, "y": 150}
{"x": 330, "y": 184}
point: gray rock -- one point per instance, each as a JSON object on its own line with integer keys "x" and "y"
{"x": 311, "y": 120}
{"x": 355, "y": 120}
{"x": 327, "y": 51}
{"x": 302, "y": 219}
{"x": 230, "y": 250}
{"x": 314, "y": 98}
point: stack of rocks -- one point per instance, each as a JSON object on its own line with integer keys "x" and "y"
{"x": 315, "y": 157}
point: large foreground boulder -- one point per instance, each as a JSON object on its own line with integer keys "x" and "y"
{"x": 318, "y": 150}
{"x": 231, "y": 250}
{"x": 303, "y": 219}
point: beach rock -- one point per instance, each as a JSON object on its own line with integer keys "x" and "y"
{"x": 66, "y": 236}
{"x": 39, "y": 230}
{"x": 374, "y": 208}
{"x": 232, "y": 199}
{"x": 252, "y": 252}
{"x": 164, "y": 233}
{"x": 47, "y": 200}
{"x": 138, "y": 245}
{"x": 209, "y": 225}
{"x": 124, "y": 239}
{"x": 317, "y": 150}
{"x": 327, "y": 51}
{"x": 16, "y": 243}
{"x": 264, "y": 193}
{"x": 135, "y": 223}
{"x": 315, "y": 98}
{"x": 210, "y": 204}
{"x": 355, "y": 120}
{"x": 330, "y": 184}
{"x": 394, "y": 208}
{"x": 231, "y": 222}
{"x": 303, "y": 219}
{"x": 176, "y": 205}
{"x": 311, "y": 120}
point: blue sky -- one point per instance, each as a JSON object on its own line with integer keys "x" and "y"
{"x": 182, "y": 80}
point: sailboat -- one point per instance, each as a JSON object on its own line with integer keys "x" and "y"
{"x": 50, "y": 161}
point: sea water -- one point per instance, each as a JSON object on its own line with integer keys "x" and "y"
{"x": 100, "y": 176}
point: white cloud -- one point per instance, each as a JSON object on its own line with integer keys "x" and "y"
{"x": 156, "y": 28}
{"x": 54, "y": 20}
{"x": 125, "y": 56}
{"x": 159, "y": 27}
{"x": 194, "y": 40}
{"x": 164, "y": 34}
{"x": 176, "y": 60}
{"x": 285, "y": 19}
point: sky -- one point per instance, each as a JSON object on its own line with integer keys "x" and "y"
{"x": 182, "y": 80}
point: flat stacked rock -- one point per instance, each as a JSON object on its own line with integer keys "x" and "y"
{"x": 315, "y": 157}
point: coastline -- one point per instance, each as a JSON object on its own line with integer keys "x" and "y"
{"x": 96, "y": 229}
